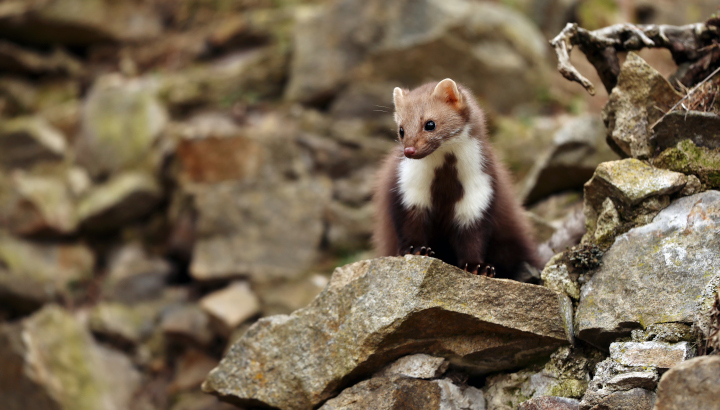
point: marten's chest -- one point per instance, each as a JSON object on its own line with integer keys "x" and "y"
{"x": 450, "y": 184}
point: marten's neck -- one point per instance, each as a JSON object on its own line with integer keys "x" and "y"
{"x": 417, "y": 176}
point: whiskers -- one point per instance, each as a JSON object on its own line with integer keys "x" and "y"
{"x": 386, "y": 109}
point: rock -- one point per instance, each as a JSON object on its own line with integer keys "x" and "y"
{"x": 77, "y": 23}
{"x": 550, "y": 403}
{"x": 371, "y": 41}
{"x": 349, "y": 228}
{"x": 216, "y": 159}
{"x": 124, "y": 326}
{"x": 376, "y": 311}
{"x": 690, "y": 385}
{"x": 702, "y": 128}
{"x": 556, "y": 277}
{"x": 395, "y": 392}
{"x": 187, "y": 324}
{"x": 121, "y": 120}
{"x": 693, "y": 186}
{"x": 46, "y": 204}
{"x": 277, "y": 227}
{"x": 617, "y": 386}
{"x": 639, "y": 99}
{"x": 418, "y": 366}
{"x": 231, "y": 306}
{"x": 51, "y": 362}
{"x": 32, "y": 274}
{"x": 134, "y": 275}
{"x": 635, "y": 399}
{"x": 633, "y": 187}
{"x": 191, "y": 369}
{"x": 664, "y": 332}
{"x": 16, "y": 60}
{"x": 27, "y": 141}
{"x": 655, "y": 354}
{"x": 702, "y": 162}
{"x": 199, "y": 401}
{"x": 127, "y": 196}
{"x": 577, "y": 149}
{"x": 657, "y": 273}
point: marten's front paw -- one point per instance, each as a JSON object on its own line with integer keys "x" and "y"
{"x": 421, "y": 251}
{"x": 482, "y": 269}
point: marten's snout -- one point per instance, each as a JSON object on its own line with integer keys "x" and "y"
{"x": 410, "y": 152}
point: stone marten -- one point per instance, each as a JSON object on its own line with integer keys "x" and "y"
{"x": 443, "y": 193}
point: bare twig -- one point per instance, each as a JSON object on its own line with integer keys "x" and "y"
{"x": 690, "y": 93}
{"x": 687, "y": 44}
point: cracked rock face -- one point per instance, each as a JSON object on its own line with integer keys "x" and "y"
{"x": 662, "y": 272}
{"x": 690, "y": 385}
{"x": 375, "y": 311}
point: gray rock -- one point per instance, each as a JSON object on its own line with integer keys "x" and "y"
{"x": 376, "y": 311}
{"x": 418, "y": 366}
{"x": 199, "y": 401}
{"x": 395, "y": 392}
{"x": 657, "y": 273}
{"x": 577, "y": 149}
{"x": 635, "y": 399}
{"x": 122, "y": 325}
{"x": 32, "y": 274}
{"x": 27, "y": 141}
{"x": 664, "y": 332}
{"x": 120, "y": 200}
{"x": 231, "y": 306}
{"x": 191, "y": 369}
{"x": 550, "y": 403}
{"x": 556, "y": 277}
{"x": 627, "y": 381}
{"x": 702, "y": 128}
{"x": 655, "y": 354}
{"x": 291, "y": 295}
{"x": 134, "y": 275}
{"x": 265, "y": 231}
{"x": 608, "y": 221}
{"x": 121, "y": 121}
{"x": 686, "y": 157}
{"x": 639, "y": 99}
{"x": 690, "y": 385}
{"x": 371, "y": 40}
{"x": 51, "y": 362}
{"x": 187, "y": 324}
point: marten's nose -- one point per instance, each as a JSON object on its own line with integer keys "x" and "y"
{"x": 410, "y": 151}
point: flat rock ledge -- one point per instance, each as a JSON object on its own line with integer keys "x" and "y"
{"x": 376, "y": 311}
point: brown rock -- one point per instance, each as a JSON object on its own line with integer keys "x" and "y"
{"x": 550, "y": 403}
{"x": 191, "y": 369}
{"x": 376, "y": 311}
{"x": 655, "y": 354}
{"x": 231, "y": 306}
{"x": 693, "y": 384}
{"x": 635, "y": 399}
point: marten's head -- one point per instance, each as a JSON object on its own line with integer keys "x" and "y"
{"x": 429, "y": 116}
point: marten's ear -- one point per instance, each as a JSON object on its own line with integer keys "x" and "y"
{"x": 447, "y": 91}
{"x": 398, "y": 96}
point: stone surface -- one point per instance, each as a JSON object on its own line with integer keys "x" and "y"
{"x": 686, "y": 157}
{"x": 664, "y": 332}
{"x": 639, "y": 99}
{"x": 661, "y": 272}
{"x": 556, "y": 277}
{"x": 655, "y": 354}
{"x": 134, "y": 275}
{"x": 376, "y": 311}
{"x": 395, "y": 392}
{"x": 192, "y": 368}
{"x": 702, "y": 128}
{"x": 231, "y": 306}
{"x": 290, "y": 296}
{"x": 617, "y": 386}
{"x": 357, "y": 40}
{"x": 187, "y": 324}
{"x": 51, "y": 362}
{"x": 26, "y": 141}
{"x": 127, "y": 196}
{"x": 32, "y": 274}
{"x": 121, "y": 120}
{"x": 690, "y": 385}
{"x": 418, "y": 366}
{"x": 278, "y": 228}
{"x": 550, "y": 403}
{"x": 577, "y": 149}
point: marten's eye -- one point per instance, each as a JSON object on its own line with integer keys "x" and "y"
{"x": 402, "y": 132}
{"x": 430, "y": 125}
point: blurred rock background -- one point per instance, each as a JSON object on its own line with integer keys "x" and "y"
{"x": 173, "y": 170}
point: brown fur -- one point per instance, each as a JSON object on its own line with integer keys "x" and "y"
{"x": 500, "y": 238}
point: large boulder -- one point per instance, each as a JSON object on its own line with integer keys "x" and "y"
{"x": 639, "y": 99}
{"x": 376, "y": 311}
{"x": 661, "y": 272}
{"x": 50, "y": 361}
{"x": 488, "y": 47}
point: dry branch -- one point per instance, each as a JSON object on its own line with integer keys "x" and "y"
{"x": 695, "y": 45}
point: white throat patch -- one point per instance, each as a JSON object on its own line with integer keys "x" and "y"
{"x": 416, "y": 176}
